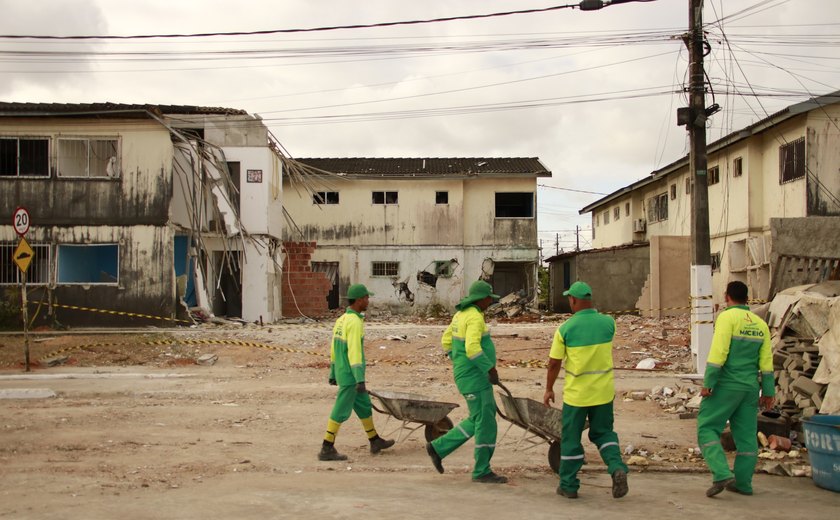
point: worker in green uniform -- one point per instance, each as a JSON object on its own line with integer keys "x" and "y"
{"x": 467, "y": 343}
{"x": 583, "y": 344}
{"x": 347, "y": 370}
{"x": 739, "y": 358}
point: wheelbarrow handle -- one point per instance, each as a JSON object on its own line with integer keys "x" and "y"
{"x": 503, "y": 387}
{"x": 374, "y": 394}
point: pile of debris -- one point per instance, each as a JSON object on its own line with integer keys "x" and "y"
{"x": 682, "y": 400}
{"x": 806, "y": 350}
{"x": 513, "y": 305}
{"x": 654, "y": 343}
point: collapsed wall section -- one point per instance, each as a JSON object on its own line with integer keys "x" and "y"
{"x": 304, "y": 290}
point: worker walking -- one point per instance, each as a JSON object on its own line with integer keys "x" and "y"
{"x": 467, "y": 343}
{"x": 583, "y": 343}
{"x": 347, "y": 370}
{"x": 740, "y": 352}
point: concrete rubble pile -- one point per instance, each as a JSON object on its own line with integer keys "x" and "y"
{"x": 656, "y": 342}
{"x": 513, "y": 305}
{"x": 806, "y": 350}
{"x": 682, "y": 400}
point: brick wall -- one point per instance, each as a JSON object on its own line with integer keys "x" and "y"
{"x": 301, "y": 285}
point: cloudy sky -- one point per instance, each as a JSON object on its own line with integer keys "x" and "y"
{"x": 592, "y": 94}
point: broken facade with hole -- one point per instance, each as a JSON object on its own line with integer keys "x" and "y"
{"x": 416, "y": 231}
{"x": 145, "y": 209}
{"x": 774, "y": 210}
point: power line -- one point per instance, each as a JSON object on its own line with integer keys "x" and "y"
{"x": 288, "y": 31}
{"x": 570, "y": 189}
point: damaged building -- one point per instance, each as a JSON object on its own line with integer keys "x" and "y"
{"x": 774, "y": 213}
{"x": 160, "y": 210}
{"x": 418, "y": 231}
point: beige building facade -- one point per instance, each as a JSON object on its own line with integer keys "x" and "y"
{"x": 785, "y": 166}
{"x": 417, "y": 232}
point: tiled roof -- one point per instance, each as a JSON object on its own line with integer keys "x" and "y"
{"x": 417, "y": 167}
{"x": 78, "y": 109}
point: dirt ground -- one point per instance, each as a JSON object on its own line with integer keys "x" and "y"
{"x": 138, "y": 430}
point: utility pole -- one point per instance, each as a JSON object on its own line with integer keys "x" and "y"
{"x": 694, "y": 117}
{"x": 557, "y": 244}
{"x": 577, "y": 238}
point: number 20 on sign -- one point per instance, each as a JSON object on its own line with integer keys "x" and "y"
{"x": 21, "y": 221}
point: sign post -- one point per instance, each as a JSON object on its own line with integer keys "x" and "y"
{"x": 23, "y": 257}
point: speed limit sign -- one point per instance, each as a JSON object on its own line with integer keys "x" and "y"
{"x": 21, "y": 221}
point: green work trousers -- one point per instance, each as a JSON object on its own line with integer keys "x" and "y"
{"x": 600, "y": 433}
{"x": 740, "y": 408}
{"x": 481, "y": 423}
{"x": 348, "y": 401}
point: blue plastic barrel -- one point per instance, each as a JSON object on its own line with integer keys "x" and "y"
{"x": 822, "y": 438}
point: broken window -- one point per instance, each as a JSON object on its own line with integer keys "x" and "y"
{"x": 88, "y": 264}
{"x": 21, "y": 157}
{"x": 444, "y": 268}
{"x": 92, "y": 158}
{"x": 385, "y": 197}
{"x": 39, "y": 268}
{"x": 441, "y": 197}
{"x": 737, "y": 167}
{"x": 606, "y": 217}
{"x": 657, "y": 208}
{"x": 616, "y": 212}
{"x": 714, "y": 175}
{"x": 325, "y": 197}
{"x": 515, "y": 205}
{"x": 792, "y": 161}
{"x": 673, "y": 191}
{"x": 385, "y": 269}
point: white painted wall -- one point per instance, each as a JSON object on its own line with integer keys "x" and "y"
{"x": 260, "y": 203}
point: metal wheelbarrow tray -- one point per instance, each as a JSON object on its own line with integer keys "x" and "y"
{"x": 538, "y": 420}
{"x": 415, "y": 408}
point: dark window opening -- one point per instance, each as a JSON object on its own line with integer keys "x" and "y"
{"x": 444, "y": 268}
{"x": 792, "y": 161}
{"x": 234, "y": 168}
{"x": 38, "y": 272}
{"x": 607, "y": 217}
{"x": 24, "y": 157}
{"x": 385, "y": 197}
{"x": 737, "y": 167}
{"x": 325, "y": 197}
{"x": 88, "y": 264}
{"x": 616, "y": 213}
{"x": 673, "y": 191}
{"x": 441, "y": 197}
{"x": 689, "y": 185}
{"x": 658, "y": 208}
{"x": 385, "y": 269}
{"x": 626, "y": 209}
{"x": 515, "y": 205}
{"x": 713, "y": 175}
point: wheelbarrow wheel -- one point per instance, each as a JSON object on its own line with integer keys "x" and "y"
{"x": 438, "y": 429}
{"x": 554, "y": 456}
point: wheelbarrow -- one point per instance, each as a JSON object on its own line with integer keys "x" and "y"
{"x": 414, "y": 408}
{"x": 541, "y": 423}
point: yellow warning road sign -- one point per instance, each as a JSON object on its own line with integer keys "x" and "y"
{"x": 23, "y": 255}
